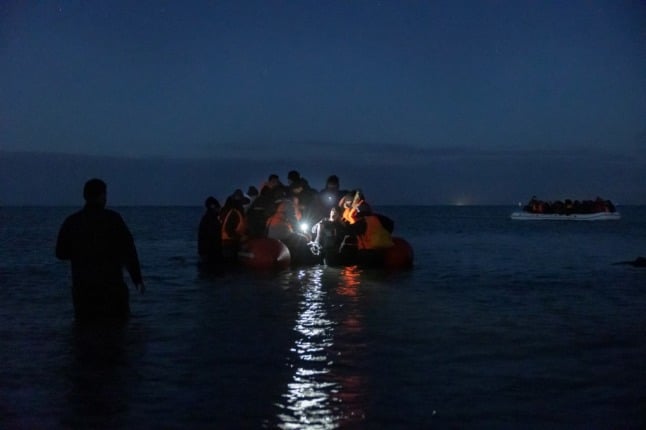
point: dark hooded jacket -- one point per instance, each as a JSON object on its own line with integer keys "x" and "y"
{"x": 99, "y": 245}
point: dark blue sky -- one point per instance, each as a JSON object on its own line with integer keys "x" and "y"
{"x": 465, "y": 102}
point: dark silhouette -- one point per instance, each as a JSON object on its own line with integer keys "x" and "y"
{"x": 209, "y": 238}
{"x": 292, "y": 177}
{"x": 331, "y": 194}
{"x": 264, "y": 206}
{"x": 99, "y": 245}
{"x": 637, "y": 262}
{"x": 309, "y": 204}
{"x": 329, "y": 233}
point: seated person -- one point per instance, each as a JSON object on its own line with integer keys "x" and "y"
{"x": 282, "y": 225}
{"x": 371, "y": 231}
{"x": 352, "y": 204}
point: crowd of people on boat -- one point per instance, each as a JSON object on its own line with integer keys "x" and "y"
{"x": 306, "y": 220}
{"x": 568, "y": 206}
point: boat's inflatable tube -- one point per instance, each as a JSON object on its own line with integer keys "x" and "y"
{"x": 400, "y": 255}
{"x": 272, "y": 254}
{"x": 264, "y": 254}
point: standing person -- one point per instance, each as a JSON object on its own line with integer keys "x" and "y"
{"x": 264, "y": 206}
{"x": 252, "y": 195}
{"x": 234, "y": 225}
{"x": 99, "y": 245}
{"x": 329, "y": 232}
{"x": 209, "y": 238}
{"x": 308, "y": 201}
{"x": 293, "y": 176}
{"x": 332, "y": 193}
{"x": 274, "y": 187}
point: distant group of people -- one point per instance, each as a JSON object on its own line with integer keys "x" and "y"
{"x": 304, "y": 219}
{"x": 568, "y": 206}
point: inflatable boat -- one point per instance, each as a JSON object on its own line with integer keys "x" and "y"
{"x": 597, "y": 216}
{"x": 272, "y": 254}
{"x": 398, "y": 256}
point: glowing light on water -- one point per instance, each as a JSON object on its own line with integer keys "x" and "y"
{"x": 308, "y": 398}
{"x": 324, "y": 392}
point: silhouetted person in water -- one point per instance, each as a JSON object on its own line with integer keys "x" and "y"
{"x": 209, "y": 237}
{"x": 99, "y": 245}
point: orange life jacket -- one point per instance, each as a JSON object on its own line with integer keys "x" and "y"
{"x": 375, "y": 236}
{"x": 298, "y": 213}
{"x": 280, "y": 225}
{"x": 240, "y": 229}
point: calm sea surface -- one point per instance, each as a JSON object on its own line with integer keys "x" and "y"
{"x": 501, "y": 324}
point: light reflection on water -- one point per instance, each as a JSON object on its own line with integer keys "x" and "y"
{"x": 319, "y": 396}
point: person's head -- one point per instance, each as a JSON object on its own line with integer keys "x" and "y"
{"x": 334, "y": 214}
{"x": 332, "y": 182}
{"x": 296, "y": 187}
{"x": 212, "y": 203}
{"x": 273, "y": 181}
{"x": 252, "y": 191}
{"x": 293, "y": 176}
{"x": 95, "y": 192}
{"x": 239, "y": 197}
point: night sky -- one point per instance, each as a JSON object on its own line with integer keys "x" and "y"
{"x": 438, "y": 102}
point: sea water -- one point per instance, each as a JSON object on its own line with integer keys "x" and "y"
{"x": 500, "y": 324}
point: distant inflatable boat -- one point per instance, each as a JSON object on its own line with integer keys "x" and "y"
{"x": 568, "y": 210}
{"x": 597, "y": 216}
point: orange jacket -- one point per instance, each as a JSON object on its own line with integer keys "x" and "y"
{"x": 240, "y": 227}
{"x": 375, "y": 236}
{"x": 282, "y": 223}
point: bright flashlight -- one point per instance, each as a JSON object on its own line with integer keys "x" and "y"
{"x": 304, "y": 227}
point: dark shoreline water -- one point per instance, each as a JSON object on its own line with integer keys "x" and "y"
{"x": 501, "y": 324}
